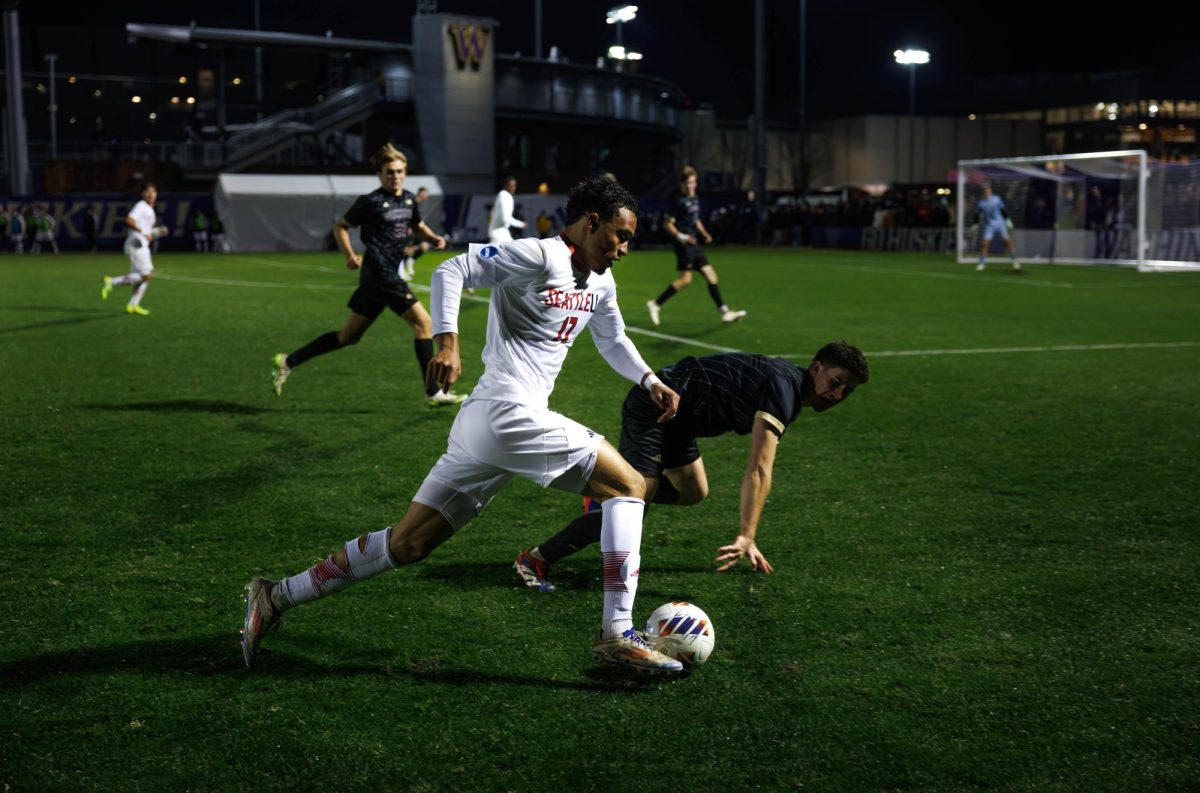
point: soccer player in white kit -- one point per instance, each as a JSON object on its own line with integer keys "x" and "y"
{"x": 142, "y": 232}
{"x": 502, "y": 213}
{"x": 544, "y": 293}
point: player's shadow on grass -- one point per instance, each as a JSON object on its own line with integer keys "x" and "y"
{"x": 220, "y": 655}
{"x": 488, "y": 575}
{"x": 212, "y": 406}
{"x": 50, "y": 323}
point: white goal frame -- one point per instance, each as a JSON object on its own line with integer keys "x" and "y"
{"x": 1143, "y": 175}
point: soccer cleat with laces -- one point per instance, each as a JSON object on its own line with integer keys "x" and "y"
{"x": 261, "y": 617}
{"x": 445, "y": 398}
{"x": 280, "y": 372}
{"x": 631, "y": 649}
{"x": 732, "y": 316}
{"x": 132, "y": 309}
{"x": 533, "y": 571}
{"x": 653, "y": 307}
{"x": 105, "y": 287}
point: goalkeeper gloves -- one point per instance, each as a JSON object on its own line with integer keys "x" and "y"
{"x": 1008, "y": 222}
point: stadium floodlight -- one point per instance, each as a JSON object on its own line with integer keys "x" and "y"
{"x": 616, "y": 52}
{"x": 621, "y": 14}
{"x": 636, "y": 56}
{"x": 911, "y": 57}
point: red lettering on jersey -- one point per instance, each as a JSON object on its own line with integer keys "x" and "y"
{"x": 570, "y": 301}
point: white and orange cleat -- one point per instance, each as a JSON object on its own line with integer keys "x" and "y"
{"x": 632, "y": 650}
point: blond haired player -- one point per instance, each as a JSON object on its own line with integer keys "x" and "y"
{"x": 142, "y": 232}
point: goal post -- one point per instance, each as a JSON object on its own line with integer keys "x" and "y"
{"x": 1114, "y": 207}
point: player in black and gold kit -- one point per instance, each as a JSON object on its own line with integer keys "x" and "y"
{"x": 685, "y": 225}
{"x": 390, "y": 219}
{"x": 737, "y": 392}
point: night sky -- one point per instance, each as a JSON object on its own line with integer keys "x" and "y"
{"x": 708, "y": 50}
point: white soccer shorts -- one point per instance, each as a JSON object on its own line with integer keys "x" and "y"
{"x": 496, "y": 236}
{"x": 139, "y": 256}
{"x": 491, "y": 442}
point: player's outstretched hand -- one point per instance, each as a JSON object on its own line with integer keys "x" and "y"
{"x": 731, "y": 554}
{"x": 353, "y": 262}
{"x": 666, "y": 399}
{"x": 439, "y": 243}
{"x": 446, "y": 366}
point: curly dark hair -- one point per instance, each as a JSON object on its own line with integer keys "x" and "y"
{"x": 600, "y": 195}
{"x": 845, "y": 356}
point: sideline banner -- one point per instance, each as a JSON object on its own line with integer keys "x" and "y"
{"x": 175, "y": 211}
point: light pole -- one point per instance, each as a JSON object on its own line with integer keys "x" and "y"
{"x": 912, "y": 59}
{"x": 51, "y": 58}
{"x": 619, "y": 15}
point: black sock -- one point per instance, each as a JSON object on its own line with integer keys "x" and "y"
{"x": 665, "y": 493}
{"x": 424, "y": 348}
{"x": 327, "y": 342}
{"x": 579, "y": 533}
{"x": 715, "y": 292}
{"x": 666, "y": 294}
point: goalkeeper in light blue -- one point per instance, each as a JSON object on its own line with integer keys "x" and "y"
{"x": 992, "y": 214}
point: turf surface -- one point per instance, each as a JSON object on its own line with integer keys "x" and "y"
{"x": 987, "y": 559}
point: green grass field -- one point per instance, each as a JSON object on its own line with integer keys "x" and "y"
{"x": 987, "y": 559}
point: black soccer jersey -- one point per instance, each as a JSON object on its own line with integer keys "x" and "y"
{"x": 387, "y": 225}
{"x": 725, "y": 392}
{"x": 686, "y": 213}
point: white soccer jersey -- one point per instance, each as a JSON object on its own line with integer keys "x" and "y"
{"x": 539, "y": 306}
{"x": 143, "y": 215}
{"x": 502, "y": 213}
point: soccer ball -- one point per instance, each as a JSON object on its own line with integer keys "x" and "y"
{"x": 683, "y": 631}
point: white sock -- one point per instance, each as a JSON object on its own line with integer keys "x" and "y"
{"x": 138, "y": 291}
{"x": 620, "y": 548}
{"x": 131, "y": 278}
{"x": 325, "y": 577}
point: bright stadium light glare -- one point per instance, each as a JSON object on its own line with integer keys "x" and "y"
{"x": 174, "y": 100}
{"x": 137, "y": 100}
{"x": 1153, "y": 110}
{"x": 237, "y": 80}
{"x": 1099, "y": 105}
{"x": 911, "y": 57}
{"x": 1142, "y": 126}
{"x": 633, "y": 56}
{"x": 182, "y": 80}
{"x": 154, "y": 116}
{"x": 621, "y": 14}
{"x": 191, "y": 100}
{"x": 616, "y": 52}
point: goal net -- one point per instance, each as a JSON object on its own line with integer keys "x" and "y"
{"x": 1117, "y": 207}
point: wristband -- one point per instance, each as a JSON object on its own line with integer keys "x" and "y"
{"x": 649, "y": 379}
{"x": 681, "y": 237}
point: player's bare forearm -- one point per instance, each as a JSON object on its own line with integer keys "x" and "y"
{"x": 756, "y": 486}
{"x": 342, "y": 235}
{"x": 446, "y": 366}
{"x": 438, "y": 240}
{"x": 703, "y": 231}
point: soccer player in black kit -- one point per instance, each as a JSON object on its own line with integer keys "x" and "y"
{"x": 390, "y": 219}
{"x": 735, "y": 392}
{"x": 685, "y": 226}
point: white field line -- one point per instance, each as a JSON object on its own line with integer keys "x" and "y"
{"x": 978, "y": 279}
{"x": 705, "y": 345}
{"x": 1149, "y": 345}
